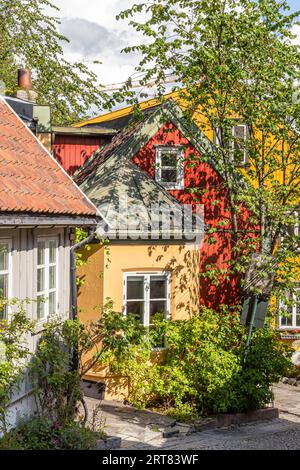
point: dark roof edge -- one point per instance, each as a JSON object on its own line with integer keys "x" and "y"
{"x": 11, "y": 219}
{"x": 83, "y": 130}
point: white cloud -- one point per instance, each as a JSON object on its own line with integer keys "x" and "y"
{"x": 95, "y": 34}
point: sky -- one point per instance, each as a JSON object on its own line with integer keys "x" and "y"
{"x": 95, "y": 34}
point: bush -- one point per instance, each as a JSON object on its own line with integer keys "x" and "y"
{"x": 55, "y": 382}
{"x": 42, "y": 434}
{"x": 203, "y": 367}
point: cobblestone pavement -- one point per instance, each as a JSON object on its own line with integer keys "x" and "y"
{"x": 143, "y": 430}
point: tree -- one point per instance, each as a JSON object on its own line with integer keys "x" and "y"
{"x": 235, "y": 62}
{"x": 30, "y": 37}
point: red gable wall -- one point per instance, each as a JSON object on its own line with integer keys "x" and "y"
{"x": 210, "y": 185}
{"x": 71, "y": 151}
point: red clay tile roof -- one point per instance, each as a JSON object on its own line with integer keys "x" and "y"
{"x": 31, "y": 181}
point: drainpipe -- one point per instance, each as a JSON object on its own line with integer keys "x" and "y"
{"x": 74, "y": 307}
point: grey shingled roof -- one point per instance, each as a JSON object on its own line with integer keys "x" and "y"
{"x": 110, "y": 175}
{"x": 119, "y": 180}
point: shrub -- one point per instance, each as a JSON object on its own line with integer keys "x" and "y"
{"x": 203, "y": 367}
{"x": 14, "y": 353}
{"x": 56, "y": 384}
{"x": 267, "y": 361}
{"x": 42, "y": 434}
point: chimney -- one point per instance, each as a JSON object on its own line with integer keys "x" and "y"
{"x": 25, "y": 84}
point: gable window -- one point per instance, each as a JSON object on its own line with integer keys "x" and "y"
{"x": 147, "y": 294}
{"x": 46, "y": 277}
{"x": 5, "y": 275}
{"x": 238, "y": 143}
{"x": 169, "y": 166}
{"x": 292, "y": 317}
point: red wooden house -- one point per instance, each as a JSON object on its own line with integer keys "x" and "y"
{"x": 179, "y": 160}
{"x": 73, "y": 146}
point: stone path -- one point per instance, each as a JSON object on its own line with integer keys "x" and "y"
{"x": 143, "y": 429}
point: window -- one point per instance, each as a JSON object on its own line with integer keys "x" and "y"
{"x": 47, "y": 282}
{"x": 169, "y": 167}
{"x": 5, "y": 271}
{"x": 146, "y": 295}
{"x": 237, "y": 143}
{"x": 292, "y": 232}
{"x": 292, "y": 317}
{"x": 293, "y": 229}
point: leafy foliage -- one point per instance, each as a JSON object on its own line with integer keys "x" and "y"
{"x": 39, "y": 433}
{"x": 30, "y": 36}
{"x": 203, "y": 369}
{"x": 235, "y": 62}
{"x": 15, "y": 352}
{"x": 55, "y": 382}
{"x": 55, "y": 377}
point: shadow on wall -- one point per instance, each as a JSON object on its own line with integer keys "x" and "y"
{"x": 185, "y": 292}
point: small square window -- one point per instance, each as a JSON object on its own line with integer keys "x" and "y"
{"x": 169, "y": 167}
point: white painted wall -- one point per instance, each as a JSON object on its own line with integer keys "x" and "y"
{"x": 24, "y": 285}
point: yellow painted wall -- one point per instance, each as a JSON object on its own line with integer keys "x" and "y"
{"x": 102, "y": 276}
{"x": 46, "y": 139}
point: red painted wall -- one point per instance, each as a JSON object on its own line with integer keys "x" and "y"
{"x": 202, "y": 176}
{"x": 71, "y": 151}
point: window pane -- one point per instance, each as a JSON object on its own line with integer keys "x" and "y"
{"x": 3, "y": 313}
{"x": 287, "y": 320}
{"x": 52, "y": 277}
{"x": 240, "y": 133}
{"x": 40, "y": 279}
{"x": 239, "y": 143}
{"x": 3, "y": 256}
{"x": 158, "y": 288}
{"x": 168, "y": 176}
{"x": 3, "y": 295}
{"x": 169, "y": 159}
{"x": 136, "y": 308}
{"x": 157, "y": 306}
{"x": 135, "y": 287}
{"x": 52, "y": 303}
{"x": 41, "y": 253}
{"x": 40, "y": 307}
{"x": 52, "y": 251}
{"x": 3, "y": 286}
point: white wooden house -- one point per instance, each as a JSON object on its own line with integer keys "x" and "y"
{"x": 40, "y": 207}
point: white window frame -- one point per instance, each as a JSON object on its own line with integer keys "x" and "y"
{"x": 47, "y": 291}
{"x": 8, "y": 241}
{"x": 294, "y": 313}
{"x": 147, "y": 276}
{"x": 179, "y": 151}
{"x": 232, "y": 142}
